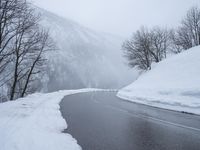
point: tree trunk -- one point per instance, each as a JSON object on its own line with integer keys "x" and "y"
{"x": 12, "y": 94}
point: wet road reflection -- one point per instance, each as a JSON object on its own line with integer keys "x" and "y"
{"x": 101, "y": 121}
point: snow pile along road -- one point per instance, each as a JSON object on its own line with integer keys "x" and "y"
{"x": 172, "y": 84}
{"x": 35, "y": 123}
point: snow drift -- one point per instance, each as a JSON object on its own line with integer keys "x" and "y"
{"x": 173, "y": 84}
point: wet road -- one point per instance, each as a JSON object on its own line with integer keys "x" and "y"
{"x": 102, "y": 121}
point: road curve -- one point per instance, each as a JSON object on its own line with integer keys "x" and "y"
{"x": 102, "y": 121}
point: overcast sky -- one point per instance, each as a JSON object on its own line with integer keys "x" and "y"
{"x": 120, "y": 17}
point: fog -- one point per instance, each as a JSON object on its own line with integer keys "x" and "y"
{"x": 120, "y": 17}
{"x": 85, "y": 58}
{"x": 88, "y": 55}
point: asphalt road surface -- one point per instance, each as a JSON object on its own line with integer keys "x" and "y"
{"x": 102, "y": 121}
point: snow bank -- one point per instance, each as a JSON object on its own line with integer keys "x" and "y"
{"x": 35, "y": 123}
{"x": 172, "y": 84}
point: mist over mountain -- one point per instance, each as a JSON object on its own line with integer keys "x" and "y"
{"x": 85, "y": 58}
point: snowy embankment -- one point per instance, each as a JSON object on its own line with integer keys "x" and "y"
{"x": 36, "y": 123}
{"x": 171, "y": 84}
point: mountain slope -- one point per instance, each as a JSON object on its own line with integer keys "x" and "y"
{"x": 85, "y": 58}
{"x": 172, "y": 84}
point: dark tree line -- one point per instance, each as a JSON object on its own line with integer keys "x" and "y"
{"x": 23, "y": 43}
{"x": 152, "y": 45}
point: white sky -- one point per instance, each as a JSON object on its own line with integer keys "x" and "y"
{"x": 121, "y": 17}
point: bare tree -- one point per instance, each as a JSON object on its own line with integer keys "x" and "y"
{"x": 160, "y": 42}
{"x": 9, "y": 11}
{"x": 41, "y": 44}
{"x": 26, "y": 22}
{"x": 188, "y": 34}
{"x": 29, "y": 45}
{"x": 137, "y": 49}
{"x": 147, "y": 46}
{"x": 180, "y": 40}
{"x": 23, "y": 44}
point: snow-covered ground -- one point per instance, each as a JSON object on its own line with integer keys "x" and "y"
{"x": 172, "y": 84}
{"x": 36, "y": 123}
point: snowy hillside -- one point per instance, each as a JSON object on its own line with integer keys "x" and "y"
{"x": 85, "y": 58}
{"x": 173, "y": 84}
